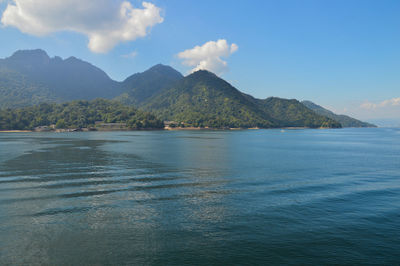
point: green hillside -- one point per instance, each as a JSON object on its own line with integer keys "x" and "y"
{"x": 344, "y": 120}
{"x": 141, "y": 86}
{"x": 17, "y": 90}
{"x": 76, "y": 114}
{"x": 29, "y": 77}
{"x": 205, "y": 100}
{"x": 291, "y": 113}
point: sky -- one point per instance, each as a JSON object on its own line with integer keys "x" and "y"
{"x": 342, "y": 54}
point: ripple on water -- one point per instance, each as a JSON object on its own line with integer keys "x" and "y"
{"x": 245, "y": 197}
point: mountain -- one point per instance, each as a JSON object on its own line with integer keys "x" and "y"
{"x": 141, "y": 86}
{"x": 344, "y": 120}
{"x": 17, "y": 90}
{"x": 31, "y": 76}
{"x": 292, "y": 113}
{"x": 203, "y": 99}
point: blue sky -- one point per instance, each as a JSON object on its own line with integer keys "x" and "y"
{"x": 344, "y": 55}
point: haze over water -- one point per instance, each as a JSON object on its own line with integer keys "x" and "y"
{"x": 200, "y": 197}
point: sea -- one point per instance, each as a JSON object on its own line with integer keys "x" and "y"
{"x": 202, "y": 197}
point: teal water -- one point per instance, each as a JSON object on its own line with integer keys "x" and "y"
{"x": 200, "y": 197}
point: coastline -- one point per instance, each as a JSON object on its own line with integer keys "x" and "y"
{"x": 152, "y": 129}
{"x": 16, "y": 131}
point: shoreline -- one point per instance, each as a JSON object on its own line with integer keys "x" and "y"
{"x": 156, "y": 129}
{"x": 16, "y": 131}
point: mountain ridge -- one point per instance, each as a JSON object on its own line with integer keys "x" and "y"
{"x": 344, "y": 120}
{"x": 60, "y": 80}
{"x": 141, "y": 86}
{"x": 64, "y": 79}
{"x": 31, "y": 77}
{"x": 203, "y": 99}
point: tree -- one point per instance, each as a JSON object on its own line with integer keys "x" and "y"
{"x": 61, "y": 124}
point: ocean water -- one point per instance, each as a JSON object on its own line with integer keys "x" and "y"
{"x": 246, "y": 197}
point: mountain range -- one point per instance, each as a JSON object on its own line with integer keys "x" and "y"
{"x": 201, "y": 99}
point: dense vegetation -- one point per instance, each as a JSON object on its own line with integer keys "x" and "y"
{"x": 204, "y": 100}
{"x": 291, "y": 113}
{"x": 30, "y": 77}
{"x": 141, "y": 86}
{"x": 76, "y": 114}
{"x": 344, "y": 120}
{"x": 16, "y": 90}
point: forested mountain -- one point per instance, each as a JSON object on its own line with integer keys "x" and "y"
{"x": 141, "y": 86}
{"x": 48, "y": 79}
{"x": 18, "y": 90}
{"x": 76, "y": 114}
{"x": 344, "y": 120}
{"x": 31, "y": 77}
{"x": 292, "y": 113}
{"x": 203, "y": 99}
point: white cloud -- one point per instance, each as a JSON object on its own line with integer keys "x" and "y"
{"x": 387, "y": 103}
{"x": 368, "y": 105}
{"x": 105, "y": 22}
{"x": 375, "y": 111}
{"x": 391, "y": 102}
{"x": 208, "y": 56}
{"x": 130, "y": 55}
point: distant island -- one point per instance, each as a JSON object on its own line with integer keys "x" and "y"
{"x": 38, "y": 91}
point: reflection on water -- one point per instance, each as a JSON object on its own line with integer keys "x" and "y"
{"x": 200, "y": 197}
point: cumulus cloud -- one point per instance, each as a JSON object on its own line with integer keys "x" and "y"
{"x": 209, "y": 56}
{"x": 387, "y": 103}
{"x": 105, "y": 22}
{"x": 130, "y": 55}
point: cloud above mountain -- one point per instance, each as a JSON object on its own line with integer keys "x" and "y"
{"x": 105, "y": 22}
{"x": 130, "y": 55}
{"x": 209, "y": 56}
{"x": 387, "y": 109}
{"x": 387, "y": 103}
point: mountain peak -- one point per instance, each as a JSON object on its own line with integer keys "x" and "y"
{"x": 37, "y": 55}
{"x": 30, "y": 52}
{"x": 202, "y": 99}
{"x": 160, "y": 66}
{"x": 203, "y": 72}
{"x": 205, "y": 76}
{"x": 74, "y": 60}
{"x": 141, "y": 86}
{"x": 56, "y": 78}
{"x": 164, "y": 69}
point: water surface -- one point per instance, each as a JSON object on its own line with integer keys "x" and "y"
{"x": 200, "y": 197}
